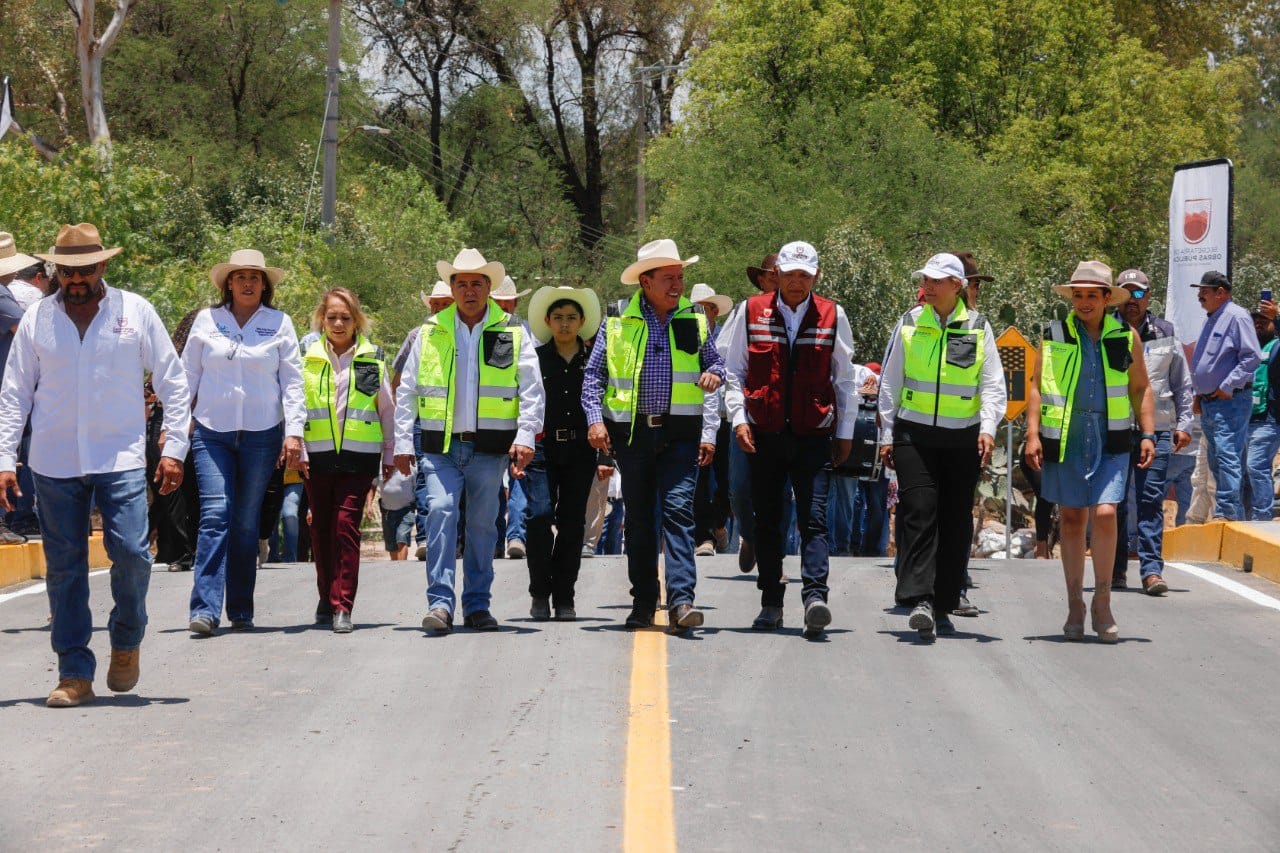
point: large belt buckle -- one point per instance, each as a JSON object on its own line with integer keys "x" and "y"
{"x": 654, "y": 421}
{"x": 563, "y": 435}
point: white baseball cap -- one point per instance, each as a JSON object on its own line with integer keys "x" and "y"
{"x": 798, "y": 256}
{"x": 941, "y": 265}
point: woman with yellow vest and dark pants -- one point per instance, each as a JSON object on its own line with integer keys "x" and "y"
{"x": 942, "y": 394}
{"x": 1090, "y": 379}
{"x": 349, "y": 438}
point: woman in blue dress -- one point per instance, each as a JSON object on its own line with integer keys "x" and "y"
{"x": 1089, "y": 381}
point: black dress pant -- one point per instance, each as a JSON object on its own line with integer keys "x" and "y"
{"x": 557, "y": 485}
{"x": 711, "y": 498}
{"x": 935, "y": 520}
{"x": 807, "y": 461}
{"x": 175, "y": 532}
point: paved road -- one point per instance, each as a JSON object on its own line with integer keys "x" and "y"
{"x": 1001, "y": 737}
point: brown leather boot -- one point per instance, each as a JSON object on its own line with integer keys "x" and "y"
{"x": 123, "y": 673}
{"x": 69, "y": 693}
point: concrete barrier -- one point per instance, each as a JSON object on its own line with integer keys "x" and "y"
{"x": 22, "y": 563}
{"x": 1250, "y": 547}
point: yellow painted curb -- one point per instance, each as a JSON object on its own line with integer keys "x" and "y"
{"x": 21, "y": 563}
{"x": 1233, "y": 543}
{"x": 1197, "y": 543}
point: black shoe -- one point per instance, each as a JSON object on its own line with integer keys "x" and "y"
{"x": 324, "y": 613}
{"x": 481, "y": 620}
{"x": 770, "y": 619}
{"x": 964, "y": 608}
{"x": 241, "y": 624}
{"x": 922, "y": 619}
{"x": 1119, "y": 581}
{"x": 746, "y": 557}
{"x": 566, "y": 613}
{"x": 438, "y": 620}
{"x": 540, "y": 610}
{"x": 817, "y": 616}
{"x": 10, "y": 537}
{"x": 943, "y": 625}
{"x": 641, "y": 616}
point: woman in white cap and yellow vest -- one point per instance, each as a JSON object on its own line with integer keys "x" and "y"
{"x": 1089, "y": 381}
{"x": 350, "y": 438}
{"x": 942, "y": 394}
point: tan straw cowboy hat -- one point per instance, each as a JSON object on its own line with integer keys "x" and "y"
{"x": 79, "y": 246}
{"x": 245, "y": 259}
{"x": 11, "y": 260}
{"x": 542, "y": 300}
{"x": 439, "y": 291}
{"x": 507, "y": 290}
{"x": 651, "y": 256}
{"x": 704, "y": 293}
{"x": 470, "y": 260}
{"x": 1093, "y": 274}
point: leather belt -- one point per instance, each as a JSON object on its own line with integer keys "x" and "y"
{"x": 653, "y": 421}
{"x": 464, "y": 436}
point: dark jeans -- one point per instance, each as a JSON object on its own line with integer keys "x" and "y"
{"x": 557, "y": 490}
{"x": 659, "y": 474}
{"x": 806, "y": 460}
{"x": 1149, "y": 488}
{"x": 711, "y": 499}
{"x": 935, "y": 521}
{"x": 337, "y": 508}
{"x": 175, "y": 534}
{"x": 871, "y": 519}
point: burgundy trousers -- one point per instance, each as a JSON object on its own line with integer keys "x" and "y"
{"x": 337, "y": 506}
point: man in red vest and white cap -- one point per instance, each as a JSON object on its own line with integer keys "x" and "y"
{"x": 790, "y": 386}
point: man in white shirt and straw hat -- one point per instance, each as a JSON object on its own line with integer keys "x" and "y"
{"x": 711, "y": 498}
{"x": 77, "y": 367}
{"x": 472, "y": 385}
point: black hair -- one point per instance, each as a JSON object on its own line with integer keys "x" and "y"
{"x": 28, "y": 273}
{"x": 559, "y": 303}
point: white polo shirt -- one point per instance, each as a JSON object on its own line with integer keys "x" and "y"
{"x": 85, "y": 398}
{"x": 245, "y": 378}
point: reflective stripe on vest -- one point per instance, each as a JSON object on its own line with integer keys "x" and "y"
{"x": 625, "y": 340}
{"x": 361, "y": 428}
{"x": 940, "y": 387}
{"x": 1059, "y": 374}
{"x": 498, "y": 391}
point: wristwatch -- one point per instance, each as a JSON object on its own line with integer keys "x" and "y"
{"x": 1148, "y": 436}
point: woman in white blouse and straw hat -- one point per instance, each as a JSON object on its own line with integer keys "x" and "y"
{"x": 248, "y": 416}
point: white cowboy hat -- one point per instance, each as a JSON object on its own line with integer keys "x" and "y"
{"x": 245, "y": 259}
{"x": 1093, "y": 274}
{"x": 11, "y": 260}
{"x": 79, "y": 246}
{"x": 439, "y": 291}
{"x": 507, "y": 290}
{"x": 659, "y": 253}
{"x": 584, "y": 296}
{"x": 704, "y": 293}
{"x": 470, "y": 260}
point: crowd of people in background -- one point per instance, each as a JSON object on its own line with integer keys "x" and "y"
{"x": 670, "y": 422}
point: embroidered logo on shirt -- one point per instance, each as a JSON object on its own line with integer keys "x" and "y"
{"x": 265, "y": 332}
{"x": 121, "y": 326}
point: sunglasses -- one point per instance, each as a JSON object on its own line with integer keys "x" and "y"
{"x": 1137, "y": 292}
{"x": 72, "y": 272}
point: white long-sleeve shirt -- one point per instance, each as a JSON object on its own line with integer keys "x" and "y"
{"x": 994, "y": 397}
{"x": 733, "y": 346}
{"x": 85, "y": 397}
{"x": 466, "y": 392}
{"x": 245, "y": 378}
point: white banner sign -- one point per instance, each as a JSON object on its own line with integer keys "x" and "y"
{"x": 6, "y": 107}
{"x": 1199, "y": 239}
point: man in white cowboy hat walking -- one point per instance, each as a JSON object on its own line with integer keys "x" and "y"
{"x": 791, "y": 393}
{"x": 472, "y": 385}
{"x": 76, "y": 367}
{"x": 647, "y": 394}
{"x": 711, "y": 498}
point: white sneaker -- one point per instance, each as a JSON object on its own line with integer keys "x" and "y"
{"x": 706, "y": 549}
{"x": 515, "y": 549}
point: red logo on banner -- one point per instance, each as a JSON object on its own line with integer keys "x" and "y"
{"x": 1196, "y": 213}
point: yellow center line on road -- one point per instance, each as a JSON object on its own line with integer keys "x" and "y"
{"x": 649, "y": 812}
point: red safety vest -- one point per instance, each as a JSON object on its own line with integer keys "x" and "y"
{"x": 790, "y": 384}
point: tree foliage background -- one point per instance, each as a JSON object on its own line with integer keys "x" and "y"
{"x": 1033, "y": 132}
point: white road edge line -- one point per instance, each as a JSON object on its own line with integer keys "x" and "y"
{"x": 37, "y": 588}
{"x": 1246, "y": 592}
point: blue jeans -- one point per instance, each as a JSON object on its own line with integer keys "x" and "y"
{"x": 1149, "y": 489}
{"x": 446, "y": 477}
{"x": 64, "y": 505}
{"x": 1226, "y": 427}
{"x": 740, "y": 493}
{"x": 1179, "y": 477}
{"x": 658, "y": 474}
{"x": 23, "y": 517}
{"x": 517, "y": 501}
{"x": 871, "y": 519}
{"x": 1264, "y": 441}
{"x": 842, "y": 514}
{"x": 289, "y": 522}
{"x": 232, "y": 470}
{"x": 611, "y": 536}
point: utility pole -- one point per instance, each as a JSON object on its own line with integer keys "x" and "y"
{"x": 643, "y": 74}
{"x": 329, "y": 195}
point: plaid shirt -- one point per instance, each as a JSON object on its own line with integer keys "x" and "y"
{"x": 654, "y": 393}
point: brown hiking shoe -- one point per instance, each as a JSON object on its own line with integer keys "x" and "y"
{"x": 69, "y": 693}
{"x": 123, "y": 673}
